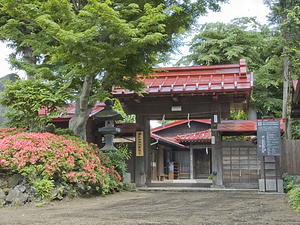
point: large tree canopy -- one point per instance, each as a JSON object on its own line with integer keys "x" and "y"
{"x": 220, "y": 43}
{"x": 285, "y": 14}
{"x": 93, "y": 45}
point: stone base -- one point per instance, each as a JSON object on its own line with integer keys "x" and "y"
{"x": 242, "y": 185}
{"x": 271, "y": 185}
{"x": 217, "y": 186}
{"x": 127, "y": 179}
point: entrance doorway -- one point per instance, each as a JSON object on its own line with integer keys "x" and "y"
{"x": 168, "y": 164}
{"x": 182, "y": 161}
{"x": 202, "y": 163}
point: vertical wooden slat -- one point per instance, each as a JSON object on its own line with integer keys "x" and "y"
{"x": 296, "y": 156}
{"x": 231, "y": 176}
{"x": 290, "y": 157}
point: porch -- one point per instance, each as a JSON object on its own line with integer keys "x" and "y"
{"x": 175, "y": 165}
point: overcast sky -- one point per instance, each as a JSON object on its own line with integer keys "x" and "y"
{"x": 235, "y": 9}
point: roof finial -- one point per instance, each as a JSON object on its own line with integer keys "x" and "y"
{"x": 163, "y": 121}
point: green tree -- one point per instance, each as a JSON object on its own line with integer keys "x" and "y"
{"x": 3, "y": 110}
{"x": 285, "y": 15}
{"x": 94, "y": 45}
{"x": 220, "y": 43}
{"x": 118, "y": 107}
{"x": 26, "y": 98}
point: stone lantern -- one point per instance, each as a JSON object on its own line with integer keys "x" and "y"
{"x": 108, "y": 115}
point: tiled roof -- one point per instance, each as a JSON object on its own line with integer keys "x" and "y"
{"x": 196, "y": 79}
{"x": 202, "y": 136}
{"x": 71, "y": 110}
{"x": 169, "y": 140}
{"x": 178, "y": 122}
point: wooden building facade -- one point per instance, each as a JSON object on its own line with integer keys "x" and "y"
{"x": 186, "y": 145}
{"x": 182, "y": 150}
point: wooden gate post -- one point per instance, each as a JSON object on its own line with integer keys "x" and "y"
{"x": 142, "y": 160}
{"x": 216, "y": 147}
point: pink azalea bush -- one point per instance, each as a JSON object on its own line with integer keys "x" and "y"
{"x": 64, "y": 159}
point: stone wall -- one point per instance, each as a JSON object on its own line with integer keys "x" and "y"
{"x": 15, "y": 191}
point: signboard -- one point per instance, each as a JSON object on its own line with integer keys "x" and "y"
{"x": 268, "y": 138}
{"x": 139, "y": 140}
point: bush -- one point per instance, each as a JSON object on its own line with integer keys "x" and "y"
{"x": 66, "y": 131}
{"x": 287, "y": 182}
{"x": 65, "y": 160}
{"x": 294, "y": 199}
{"x": 42, "y": 187}
{"x": 118, "y": 158}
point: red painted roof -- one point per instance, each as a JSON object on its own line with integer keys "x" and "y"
{"x": 176, "y": 123}
{"x": 241, "y": 125}
{"x": 226, "y": 126}
{"x": 71, "y": 110}
{"x": 202, "y": 136}
{"x": 197, "y": 79}
{"x": 170, "y": 140}
{"x": 127, "y": 128}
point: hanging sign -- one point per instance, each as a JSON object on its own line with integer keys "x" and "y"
{"x": 139, "y": 141}
{"x": 268, "y": 138}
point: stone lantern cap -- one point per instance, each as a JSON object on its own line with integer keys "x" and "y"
{"x": 108, "y": 113}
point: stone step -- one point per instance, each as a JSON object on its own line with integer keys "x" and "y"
{"x": 178, "y": 184}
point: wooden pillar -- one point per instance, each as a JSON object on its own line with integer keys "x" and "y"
{"x": 143, "y": 162}
{"x": 191, "y": 162}
{"x": 216, "y": 147}
{"x": 154, "y": 164}
{"x": 160, "y": 161}
{"x": 147, "y": 150}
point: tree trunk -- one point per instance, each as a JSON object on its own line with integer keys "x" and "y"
{"x": 285, "y": 97}
{"x": 289, "y": 108}
{"x": 82, "y": 109}
{"x": 28, "y": 57}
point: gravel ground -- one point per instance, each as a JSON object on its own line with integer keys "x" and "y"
{"x": 160, "y": 207}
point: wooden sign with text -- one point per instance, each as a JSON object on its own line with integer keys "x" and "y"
{"x": 139, "y": 140}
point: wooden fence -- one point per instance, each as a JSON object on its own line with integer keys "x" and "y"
{"x": 240, "y": 162}
{"x": 290, "y": 158}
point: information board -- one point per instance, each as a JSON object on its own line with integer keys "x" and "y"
{"x": 268, "y": 138}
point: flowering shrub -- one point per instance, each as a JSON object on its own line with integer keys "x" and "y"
{"x": 66, "y": 160}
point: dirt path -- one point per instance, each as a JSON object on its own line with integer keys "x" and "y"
{"x": 160, "y": 207}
